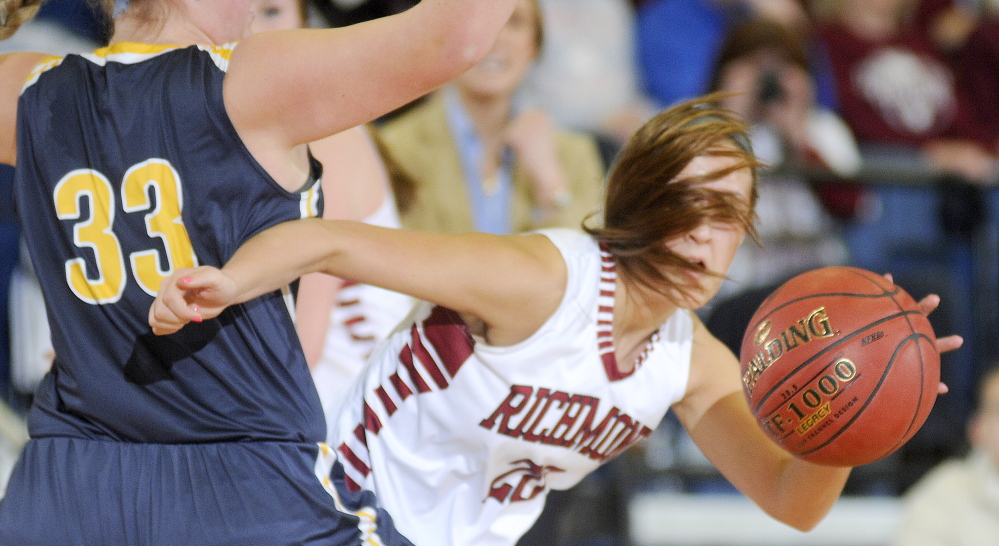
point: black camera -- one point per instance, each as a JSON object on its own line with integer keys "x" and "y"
{"x": 768, "y": 88}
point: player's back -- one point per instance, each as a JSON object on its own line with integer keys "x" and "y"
{"x": 129, "y": 168}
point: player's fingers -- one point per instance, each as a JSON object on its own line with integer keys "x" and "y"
{"x": 942, "y": 388}
{"x": 949, "y": 343}
{"x": 889, "y": 277}
{"x": 197, "y": 278}
{"x": 928, "y": 304}
{"x": 162, "y": 320}
{"x": 171, "y": 310}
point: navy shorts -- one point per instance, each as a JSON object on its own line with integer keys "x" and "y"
{"x": 69, "y": 491}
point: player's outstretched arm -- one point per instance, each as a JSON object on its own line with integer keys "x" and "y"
{"x": 717, "y": 417}
{"x": 511, "y": 283}
{"x": 318, "y": 82}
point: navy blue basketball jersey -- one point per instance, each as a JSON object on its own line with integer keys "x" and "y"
{"x": 128, "y": 167}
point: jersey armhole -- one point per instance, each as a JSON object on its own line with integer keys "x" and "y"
{"x": 47, "y": 63}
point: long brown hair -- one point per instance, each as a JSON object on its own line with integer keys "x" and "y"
{"x": 14, "y": 13}
{"x": 646, "y": 204}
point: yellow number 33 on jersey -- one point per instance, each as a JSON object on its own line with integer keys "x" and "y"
{"x": 96, "y": 232}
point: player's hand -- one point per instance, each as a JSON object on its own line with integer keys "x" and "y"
{"x": 944, "y": 344}
{"x": 532, "y": 137}
{"x": 190, "y": 295}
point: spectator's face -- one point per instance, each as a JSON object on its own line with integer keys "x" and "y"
{"x": 276, "y": 15}
{"x": 983, "y": 430}
{"x": 503, "y": 69}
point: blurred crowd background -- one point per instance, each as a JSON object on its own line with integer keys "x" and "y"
{"x": 877, "y": 119}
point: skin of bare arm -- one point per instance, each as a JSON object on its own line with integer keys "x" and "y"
{"x": 717, "y": 417}
{"x": 469, "y": 273}
{"x": 279, "y": 98}
{"x": 14, "y": 70}
{"x": 354, "y": 186}
{"x": 365, "y": 71}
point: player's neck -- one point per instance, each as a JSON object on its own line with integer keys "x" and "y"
{"x": 638, "y": 312}
{"x": 170, "y": 31}
{"x": 491, "y": 114}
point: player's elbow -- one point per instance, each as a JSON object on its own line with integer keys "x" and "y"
{"x": 805, "y": 524}
{"x": 462, "y": 33}
{"x": 800, "y": 517}
{"x": 458, "y": 50}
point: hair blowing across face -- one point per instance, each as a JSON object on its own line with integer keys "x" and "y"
{"x": 646, "y": 205}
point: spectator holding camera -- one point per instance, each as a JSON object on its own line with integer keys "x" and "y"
{"x": 678, "y": 41}
{"x": 763, "y": 65}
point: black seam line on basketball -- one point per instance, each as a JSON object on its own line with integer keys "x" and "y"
{"x": 922, "y": 370}
{"x": 853, "y": 272}
{"x": 870, "y": 398}
{"x": 891, "y": 294}
{"x": 922, "y": 379}
{"x": 828, "y": 349}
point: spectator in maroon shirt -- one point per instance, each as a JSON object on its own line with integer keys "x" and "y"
{"x": 895, "y": 88}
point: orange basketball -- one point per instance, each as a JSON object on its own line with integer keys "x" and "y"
{"x": 840, "y": 367}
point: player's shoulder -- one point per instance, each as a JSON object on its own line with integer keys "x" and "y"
{"x": 570, "y": 242}
{"x": 17, "y": 68}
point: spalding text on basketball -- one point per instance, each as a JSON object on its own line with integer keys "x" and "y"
{"x": 815, "y": 326}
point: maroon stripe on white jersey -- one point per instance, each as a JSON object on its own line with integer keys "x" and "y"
{"x": 371, "y": 420}
{"x": 356, "y": 459}
{"x": 349, "y": 303}
{"x": 406, "y": 358}
{"x": 353, "y": 459}
{"x": 401, "y": 388}
{"x": 450, "y": 338}
{"x": 390, "y": 406}
{"x": 352, "y": 486}
{"x": 605, "y": 314}
{"x": 352, "y": 321}
{"x": 443, "y": 345}
{"x": 428, "y": 361}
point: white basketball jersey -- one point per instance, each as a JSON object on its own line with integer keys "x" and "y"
{"x": 363, "y": 316}
{"x": 461, "y": 441}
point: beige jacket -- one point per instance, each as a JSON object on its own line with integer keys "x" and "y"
{"x": 420, "y": 143}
